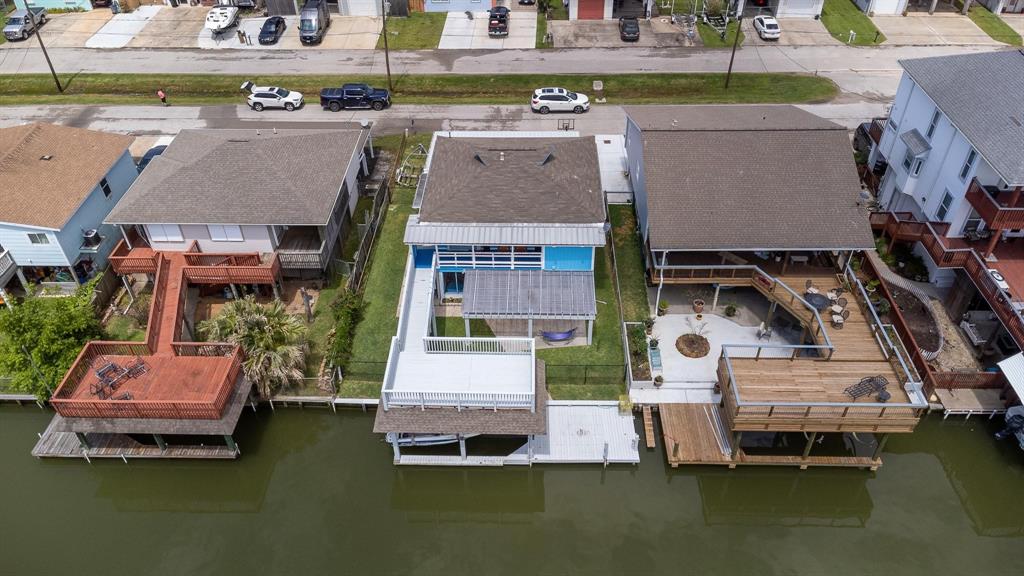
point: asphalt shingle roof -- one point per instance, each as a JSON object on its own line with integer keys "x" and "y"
{"x": 291, "y": 177}
{"x": 981, "y": 95}
{"x": 514, "y": 181}
{"x": 47, "y": 192}
{"x": 756, "y": 177}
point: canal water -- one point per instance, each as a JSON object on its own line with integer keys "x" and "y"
{"x": 316, "y": 493}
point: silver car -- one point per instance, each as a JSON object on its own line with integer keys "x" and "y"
{"x": 558, "y": 100}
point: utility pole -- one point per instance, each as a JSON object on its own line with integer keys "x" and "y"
{"x": 35, "y": 27}
{"x": 385, "y": 7}
{"x": 735, "y": 41}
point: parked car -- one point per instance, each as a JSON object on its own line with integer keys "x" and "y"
{"x": 149, "y": 155}
{"x": 220, "y": 18}
{"x": 497, "y": 22}
{"x": 527, "y": 2}
{"x": 558, "y": 100}
{"x": 629, "y": 29}
{"x": 19, "y": 25}
{"x": 246, "y": 4}
{"x": 261, "y": 97}
{"x": 767, "y": 27}
{"x": 313, "y": 21}
{"x": 272, "y": 29}
{"x": 354, "y": 96}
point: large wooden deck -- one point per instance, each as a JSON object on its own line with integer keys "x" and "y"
{"x": 54, "y": 444}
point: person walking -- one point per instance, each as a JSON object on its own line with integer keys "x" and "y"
{"x": 162, "y": 96}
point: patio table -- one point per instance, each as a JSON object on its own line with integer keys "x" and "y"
{"x": 818, "y": 301}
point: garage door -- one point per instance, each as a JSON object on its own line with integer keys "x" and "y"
{"x": 887, "y": 7}
{"x": 590, "y": 10}
{"x": 799, "y": 8}
{"x": 359, "y": 7}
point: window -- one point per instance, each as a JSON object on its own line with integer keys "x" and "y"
{"x": 908, "y": 160}
{"x": 972, "y": 157}
{"x": 892, "y": 124}
{"x": 39, "y": 238}
{"x": 947, "y": 200}
{"x": 164, "y": 232}
{"x": 933, "y": 124}
{"x": 917, "y": 167}
{"x": 105, "y": 186}
{"x": 225, "y": 233}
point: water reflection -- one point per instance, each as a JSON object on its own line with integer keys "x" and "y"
{"x": 481, "y": 491}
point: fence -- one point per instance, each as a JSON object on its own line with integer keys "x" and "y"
{"x": 962, "y": 380}
{"x": 380, "y": 203}
{"x": 585, "y": 374}
{"x": 447, "y": 345}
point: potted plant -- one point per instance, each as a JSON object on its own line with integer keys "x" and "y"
{"x": 653, "y": 343}
{"x": 698, "y": 306}
{"x": 883, "y": 307}
{"x": 659, "y": 380}
{"x": 730, "y": 310}
{"x": 649, "y": 325}
{"x": 872, "y": 286}
{"x": 662, "y": 307}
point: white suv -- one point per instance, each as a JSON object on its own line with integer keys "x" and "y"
{"x": 558, "y": 100}
{"x": 261, "y": 97}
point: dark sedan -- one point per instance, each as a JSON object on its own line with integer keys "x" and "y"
{"x": 629, "y": 29}
{"x": 272, "y": 30}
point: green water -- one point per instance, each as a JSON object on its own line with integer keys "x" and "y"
{"x": 316, "y": 493}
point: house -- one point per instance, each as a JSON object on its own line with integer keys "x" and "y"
{"x": 952, "y": 170}
{"x": 609, "y": 9}
{"x": 83, "y": 5}
{"x": 782, "y": 8}
{"x": 750, "y": 218}
{"x": 337, "y": 7}
{"x": 287, "y": 192}
{"x": 503, "y": 239}
{"x": 59, "y": 184}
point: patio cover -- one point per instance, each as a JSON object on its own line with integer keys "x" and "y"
{"x": 529, "y": 294}
{"x": 1013, "y": 369}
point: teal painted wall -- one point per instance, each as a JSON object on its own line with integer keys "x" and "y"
{"x": 57, "y": 4}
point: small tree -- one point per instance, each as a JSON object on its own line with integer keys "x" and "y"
{"x": 273, "y": 340}
{"x": 41, "y": 337}
{"x": 347, "y": 311}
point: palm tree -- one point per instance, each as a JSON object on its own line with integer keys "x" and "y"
{"x": 273, "y": 340}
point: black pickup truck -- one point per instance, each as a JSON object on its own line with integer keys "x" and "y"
{"x": 354, "y": 96}
{"x": 497, "y": 23}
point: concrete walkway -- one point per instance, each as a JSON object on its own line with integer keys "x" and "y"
{"x": 122, "y": 28}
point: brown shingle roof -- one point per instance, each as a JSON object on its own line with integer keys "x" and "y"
{"x": 513, "y": 181}
{"x": 46, "y": 193}
{"x": 768, "y": 177}
{"x": 287, "y": 177}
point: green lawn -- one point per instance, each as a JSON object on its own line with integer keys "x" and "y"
{"x": 841, "y": 16}
{"x": 455, "y": 327}
{"x": 124, "y": 329}
{"x": 424, "y": 89}
{"x": 558, "y": 10}
{"x": 629, "y": 264}
{"x": 418, "y": 31}
{"x": 323, "y": 321}
{"x": 712, "y": 39}
{"x": 993, "y": 25}
{"x": 542, "y": 30}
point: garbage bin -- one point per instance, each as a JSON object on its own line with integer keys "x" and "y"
{"x": 115, "y": 7}
{"x": 174, "y": 3}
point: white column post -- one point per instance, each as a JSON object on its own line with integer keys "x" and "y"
{"x": 124, "y": 234}
{"x": 714, "y": 303}
{"x": 661, "y": 281}
{"x": 590, "y": 332}
{"x": 529, "y": 327}
{"x": 466, "y": 320}
{"x": 5, "y": 298}
{"x": 462, "y": 446}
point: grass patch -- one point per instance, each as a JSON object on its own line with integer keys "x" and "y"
{"x": 712, "y": 39}
{"x": 417, "y": 31}
{"x": 348, "y": 249}
{"x": 425, "y": 89}
{"x": 455, "y": 327}
{"x": 629, "y": 264}
{"x": 542, "y": 31}
{"x": 841, "y": 16}
{"x": 993, "y": 25}
{"x": 124, "y": 329}
{"x": 323, "y": 322}
{"x": 351, "y": 388}
{"x": 558, "y": 10}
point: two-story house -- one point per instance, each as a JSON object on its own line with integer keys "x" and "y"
{"x": 58, "y": 183}
{"x": 505, "y": 233}
{"x": 953, "y": 163}
{"x": 289, "y": 192}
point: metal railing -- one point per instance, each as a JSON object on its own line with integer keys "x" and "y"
{"x": 478, "y": 259}
{"x": 449, "y": 345}
{"x": 7, "y": 267}
{"x": 459, "y": 400}
{"x": 994, "y": 213}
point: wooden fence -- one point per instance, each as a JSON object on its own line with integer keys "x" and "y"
{"x": 380, "y": 210}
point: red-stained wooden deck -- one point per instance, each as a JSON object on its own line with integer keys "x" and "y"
{"x": 184, "y": 380}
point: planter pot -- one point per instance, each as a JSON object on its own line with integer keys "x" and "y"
{"x": 698, "y": 306}
{"x": 657, "y": 383}
{"x": 662, "y": 311}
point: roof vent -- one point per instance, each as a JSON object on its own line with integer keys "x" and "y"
{"x": 1015, "y": 120}
{"x": 548, "y": 158}
{"x": 501, "y": 155}
{"x": 479, "y": 159}
{"x": 46, "y": 157}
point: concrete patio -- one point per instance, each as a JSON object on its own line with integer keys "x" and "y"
{"x": 461, "y": 32}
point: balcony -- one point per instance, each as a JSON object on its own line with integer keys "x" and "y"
{"x": 1000, "y": 209}
{"x": 876, "y": 128}
{"x": 302, "y": 247}
{"x": 7, "y": 268}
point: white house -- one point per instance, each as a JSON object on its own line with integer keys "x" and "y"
{"x": 58, "y": 184}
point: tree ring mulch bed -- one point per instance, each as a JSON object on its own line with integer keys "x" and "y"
{"x": 693, "y": 346}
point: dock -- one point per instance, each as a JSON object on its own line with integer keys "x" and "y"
{"x": 971, "y": 401}
{"x": 55, "y": 444}
{"x": 648, "y": 427}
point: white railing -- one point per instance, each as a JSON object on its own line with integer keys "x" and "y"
{"x": 7, "y": 266}
{"x": 403, "y": 312}
{"x": 426, "y": 399}
{"x": 446, "y": 345}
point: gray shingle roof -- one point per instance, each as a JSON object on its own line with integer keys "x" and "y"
{"x": 916, "y": 143}
{"x": 981, "y": 95}
{"x": 513, "y": 181}
{"x": 528, "y": 294}
{"x": 293, "y": 177}
{"x": 752, "y": 183}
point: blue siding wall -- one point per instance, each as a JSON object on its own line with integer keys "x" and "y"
{"x": 457, "y": 6}
{"x": 568, "y": 258}
{"x": 424, "y": 256}
{"x": 95, "y": 208}
{"x": 635, "y": 163}
{"x": 57, "y": 4}
{"x": 15, "y": 239}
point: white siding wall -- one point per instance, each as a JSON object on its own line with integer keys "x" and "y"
{"x": 359, "y": 7}
{"x": 256, "y": 239}
{"x": 799, "y": 8}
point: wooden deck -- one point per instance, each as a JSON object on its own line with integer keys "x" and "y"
{"x": 53, "y": 444}
{"x": 648, "y": 427}
{"x": 690, "y": 437}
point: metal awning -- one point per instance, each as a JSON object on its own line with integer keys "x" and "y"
{"x": 917, "y": 144}
{"x": 529, "y": 294}
{"x": 427, "y": 233}
{"x": 1013, "y": 370}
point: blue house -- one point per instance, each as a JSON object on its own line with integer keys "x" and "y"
{"x": 509, "y": 224}
{"x": 83, "y": 5}
{"x": 59, "y": 183}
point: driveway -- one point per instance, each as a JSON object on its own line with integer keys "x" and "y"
{"x": 932, "y": 30}
{"x": 344, "y": 33}
{"x": 70, "y": 30}
{"x": 1016, "y": 21}
{"x": 176, "y": 28}
{"x": 120, "y": 30}
{"x": 795, "y": 32}
{"x": 462, "y": 32}
{"x": 605, "y": 34}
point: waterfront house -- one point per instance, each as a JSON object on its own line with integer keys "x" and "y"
{"x": 288, "y": 192}
{"x": 59, "y": 183}
{"x": 750, "y": 217}
{"x": 503, "y": 239}
{"x": 952, "y": 169}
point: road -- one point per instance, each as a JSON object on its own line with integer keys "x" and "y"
{"x": 870, "y": 73}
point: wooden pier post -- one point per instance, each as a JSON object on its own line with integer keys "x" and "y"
{"x": 462, "y": 446}
{"x": 160, "y": 442}
{"x": 810, "y": 443}
{"x": 880, "y": 446}
{"x": 231, "y": 443}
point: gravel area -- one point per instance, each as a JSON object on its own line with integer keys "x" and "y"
{"x": 957, "y": 353}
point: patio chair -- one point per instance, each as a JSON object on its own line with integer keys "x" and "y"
{"x": 837, "y": 321}
{"x": 832, "y": 295}
{"x": 868, "y": 386}
{"x": 845, "y": 315}
{"x": 839, "y": 291}
{"x": 842, "y": 302}
{"x": 808, "y": 285}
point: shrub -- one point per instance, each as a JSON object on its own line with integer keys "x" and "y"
{"x": 730, "y": 310}
{"x": 139, "y": 311}
{"x": 347, "y": 310}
